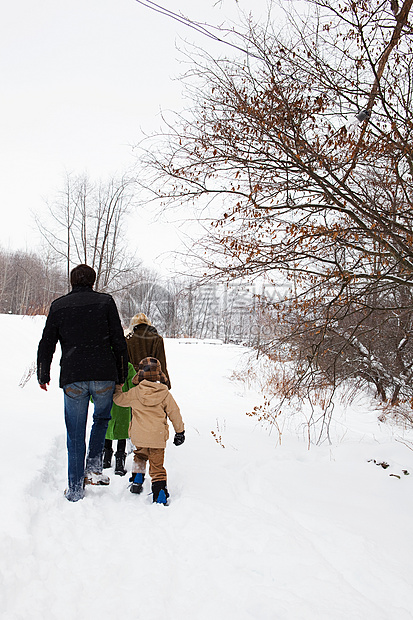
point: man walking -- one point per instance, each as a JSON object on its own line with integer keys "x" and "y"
{"x": 94, "y": 358}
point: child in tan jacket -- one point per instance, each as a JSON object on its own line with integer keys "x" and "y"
{"x": 151, "y": 404}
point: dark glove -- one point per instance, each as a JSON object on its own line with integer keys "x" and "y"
{"x": 179, "y": 438}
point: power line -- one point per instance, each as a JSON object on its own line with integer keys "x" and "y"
{"x": 199, "y": 27}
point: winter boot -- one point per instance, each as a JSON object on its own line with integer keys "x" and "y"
{"x": 137, "y": 483}
{"x": 160, "y": 492}
{"x": 96, "y": 478}
{"x": 107, "y": 455}
{"x": 120, "y": 463}
{"x": 74, "y": 495}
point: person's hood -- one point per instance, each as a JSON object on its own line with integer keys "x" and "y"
{"x": 151, "y": 392}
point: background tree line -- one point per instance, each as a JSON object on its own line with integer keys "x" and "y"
{"x": 28, "y": 282}
{"x": 86, "y": 224}
{"x": 178, "y": 308}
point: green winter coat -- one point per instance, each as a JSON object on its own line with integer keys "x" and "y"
{"x": 118, "y": 427}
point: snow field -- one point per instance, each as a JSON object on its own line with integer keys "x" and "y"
{"x": 254, "y": 530}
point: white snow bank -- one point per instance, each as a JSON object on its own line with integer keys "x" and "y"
{"x": 254, "y": 530}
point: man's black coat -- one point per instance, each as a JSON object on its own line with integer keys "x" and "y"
{"x": 87, "y": 325}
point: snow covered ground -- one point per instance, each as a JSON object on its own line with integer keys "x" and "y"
{"x": 254, "y": 530}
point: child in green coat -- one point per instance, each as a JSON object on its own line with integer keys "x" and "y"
{"x": 118, "y": 429}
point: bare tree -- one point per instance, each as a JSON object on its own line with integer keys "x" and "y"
{"x": 86, "y": 226}
{"x": 302, "y": 150}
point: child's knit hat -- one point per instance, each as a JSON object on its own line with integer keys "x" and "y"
{"x": 150, "y": 369}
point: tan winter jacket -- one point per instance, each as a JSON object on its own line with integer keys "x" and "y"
{"x": 151, "y": 404}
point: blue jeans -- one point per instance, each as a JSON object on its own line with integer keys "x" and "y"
{"x": 76, "y": 402}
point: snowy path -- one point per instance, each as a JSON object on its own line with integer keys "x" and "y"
{"x": 253, "y": 531}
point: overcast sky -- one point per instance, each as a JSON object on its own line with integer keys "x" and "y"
{"x": 80, "y": 80}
